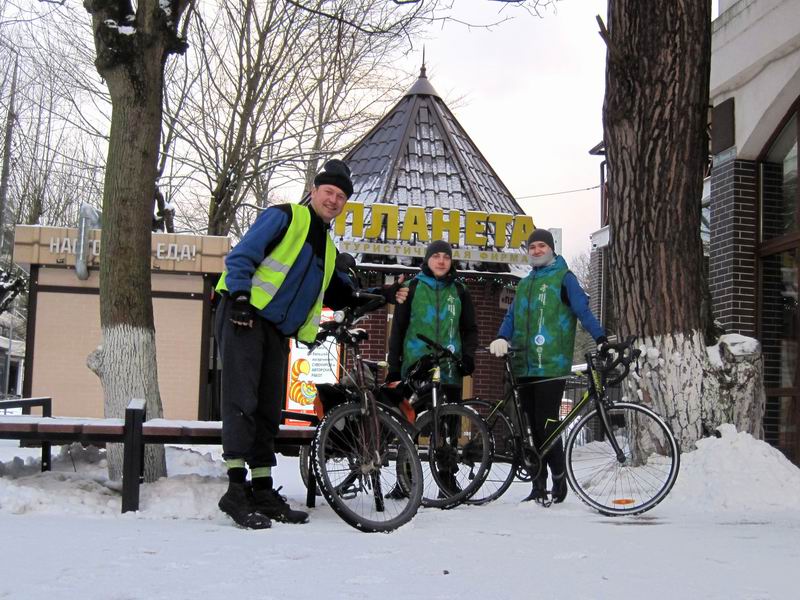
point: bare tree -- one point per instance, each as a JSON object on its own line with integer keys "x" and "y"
{"x": 581, "y": 266}
{"x": 350, "y": 78}
{"x": 132, "y": 48}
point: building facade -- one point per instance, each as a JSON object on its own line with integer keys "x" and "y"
{"x": 754, "y": 234}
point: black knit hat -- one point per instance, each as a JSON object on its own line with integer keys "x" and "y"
{"x": 335, "y": 172}
{"x": 542, "y": 235}
{"x": 438, "y": 246}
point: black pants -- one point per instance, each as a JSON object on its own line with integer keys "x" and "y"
{"x": 542, "y": 403}
{"x": 254, "y": 367}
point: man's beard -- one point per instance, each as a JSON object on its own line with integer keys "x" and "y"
{"x": 543, "y": 260}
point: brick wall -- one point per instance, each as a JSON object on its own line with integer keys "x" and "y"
{"x": 732, "y": 262}
{"x": 487, "y": 381}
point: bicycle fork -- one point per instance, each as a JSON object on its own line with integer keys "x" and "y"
{"x": 612, "y": 439}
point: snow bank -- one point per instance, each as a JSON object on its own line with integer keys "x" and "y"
{"x": 736, "y": 472}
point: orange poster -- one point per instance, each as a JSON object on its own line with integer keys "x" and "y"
{"x": 306, "y": 369}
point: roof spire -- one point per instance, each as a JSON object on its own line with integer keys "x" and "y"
{"x": 422, "y": 87}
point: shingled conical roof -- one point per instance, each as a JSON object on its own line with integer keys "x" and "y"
{"x": 420, "y": 155}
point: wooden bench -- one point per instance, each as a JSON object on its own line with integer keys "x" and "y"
{"x": 135, "y": 432}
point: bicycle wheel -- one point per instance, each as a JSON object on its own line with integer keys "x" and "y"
{"x": 642, "y": 479}
{"x": 355, "y": 461}
{"x": 504, "y": 460}
{"x": 454, "y": 470}
{"x": 305, "y": 452}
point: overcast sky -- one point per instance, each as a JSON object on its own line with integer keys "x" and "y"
{"x": 529, "y": 93}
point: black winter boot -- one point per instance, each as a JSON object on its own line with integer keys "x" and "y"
{"x": 559, "y": 488}
{"x": 236, "y": 504}
{"x": 538, "y": 492}
{"x": 270, "y": 502}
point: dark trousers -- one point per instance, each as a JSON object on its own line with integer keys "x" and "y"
{"x": 542, "y": 403}
{"x": 254, "y": 367}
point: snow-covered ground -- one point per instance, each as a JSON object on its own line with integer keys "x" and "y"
{"x": 730, "y": 529}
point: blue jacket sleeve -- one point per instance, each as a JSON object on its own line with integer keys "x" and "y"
{"x": 245, "y": 257}
{"x": 507, "y": 326}
{"x": 579, "y": 302}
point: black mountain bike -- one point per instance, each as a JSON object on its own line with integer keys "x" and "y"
{"x": 356, "y": 448}
{"x": 621, "y": 457}
{"x": 453, "y": 441}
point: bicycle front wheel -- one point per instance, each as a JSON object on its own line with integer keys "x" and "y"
{"x": 456, "y": 467}
{"x": 505, "y": 458}
{"x": 355, "y": 460}
{"x": 634, "y": 482}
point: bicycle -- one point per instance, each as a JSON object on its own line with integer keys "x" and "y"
{"x": 621, "y": 457}
{"x": 357, "y": 443}
{"x": 452, "y": 439}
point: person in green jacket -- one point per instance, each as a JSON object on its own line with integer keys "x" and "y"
{"x": 540, "y": 324}
{"x": 441, "y": 308}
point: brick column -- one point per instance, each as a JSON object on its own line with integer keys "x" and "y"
{"x": 487, "y": 381}
{"x": 734, "y": 236}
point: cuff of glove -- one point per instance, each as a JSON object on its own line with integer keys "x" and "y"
{"x": 240, "y": 296}
{"x": 467, "y": 365}
{"x": 601, "y": 340}
{"x": 389, "y": 292}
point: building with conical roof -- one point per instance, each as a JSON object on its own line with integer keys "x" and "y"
{"x": 418, "y": 176}
{"x": 419, "y": 154}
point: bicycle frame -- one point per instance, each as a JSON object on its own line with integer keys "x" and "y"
{"x": 595, "y": 394}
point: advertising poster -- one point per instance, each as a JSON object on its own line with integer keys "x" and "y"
{"x": 306, "y": 369}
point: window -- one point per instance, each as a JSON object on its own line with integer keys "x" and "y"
{"x": 779, "y": 184}
{"x": 779, "y": 268}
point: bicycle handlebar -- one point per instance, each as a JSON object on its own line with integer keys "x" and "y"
{"x": 441, "y": 351}
{"x": 624, "y": 354}
{"x": 339, "y": 326}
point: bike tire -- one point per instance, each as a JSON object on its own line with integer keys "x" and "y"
{"x": 352, "y": 482}
{"x": 305, "y": 453}
{"x": 454, "y": 472}
{"x": 652, "y": 460}
{"x": 505, "y": 459}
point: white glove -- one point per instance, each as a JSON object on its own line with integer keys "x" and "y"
{"x": 499, "y": 347}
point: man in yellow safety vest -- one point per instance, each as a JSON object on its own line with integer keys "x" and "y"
{"x": 276, "y": 280}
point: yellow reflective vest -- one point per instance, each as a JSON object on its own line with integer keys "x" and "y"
{"x": 271, "y": 273}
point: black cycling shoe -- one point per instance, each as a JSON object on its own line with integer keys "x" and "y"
{"x": 451, "y": 487}
{"x": 237, "y": 505}
{"x": 538, "y": 494}
{"x": 560, "y": 488}
{"x": 396, "y": 493}
{"x": 271, "y": 503}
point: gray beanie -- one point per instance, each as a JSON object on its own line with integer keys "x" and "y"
{"x": 438, "y": 246}
{"x": 542, "y": 235}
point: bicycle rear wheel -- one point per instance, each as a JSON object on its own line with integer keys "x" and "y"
{"x": 355, "y": 460}
{"x": 504, "y": 460}
{"x": 304, "y": 454}
{"x": 642, "y": 479}
{"x": 455, "y": 470}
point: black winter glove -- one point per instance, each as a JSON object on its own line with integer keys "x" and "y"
{"x": 467, "y": 365}
{"x": 602, "y": 344}
{"x": 241, "y": 312}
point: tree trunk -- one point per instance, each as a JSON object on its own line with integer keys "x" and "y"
{"x": 655, "y": 116}
{"x": 6, "y": 169}
{"x": 131, "y": 52}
